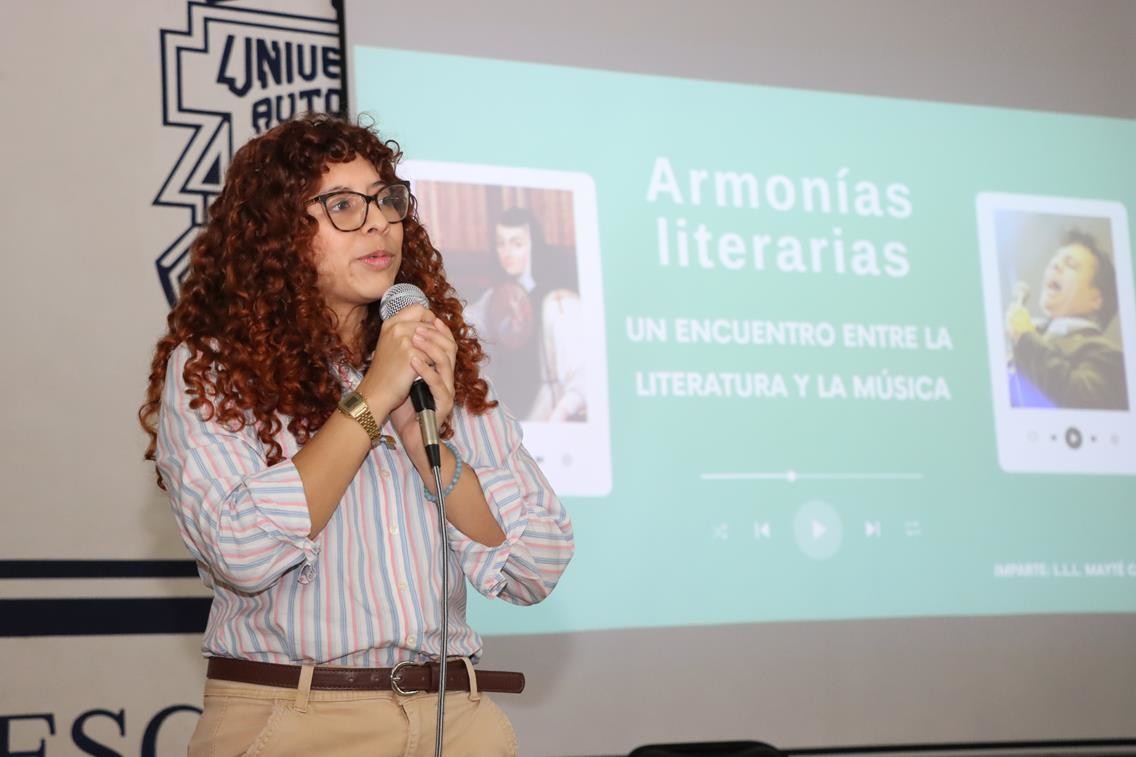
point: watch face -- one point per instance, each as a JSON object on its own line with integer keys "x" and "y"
{"x": 353, "y": 404}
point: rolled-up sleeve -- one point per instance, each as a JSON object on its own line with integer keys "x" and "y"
{"x": 247, "y": 522}
{"x": 539, "y": 543}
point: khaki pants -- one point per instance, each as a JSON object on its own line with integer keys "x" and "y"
{"x": 247, "y": 719}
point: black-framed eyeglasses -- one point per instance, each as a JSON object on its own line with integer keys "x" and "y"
{"x": 347, "y": 210}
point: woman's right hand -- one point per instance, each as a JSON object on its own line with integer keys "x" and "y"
{"x": 387, "y": 381}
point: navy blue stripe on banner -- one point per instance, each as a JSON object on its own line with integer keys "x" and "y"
{"x": 102, "y": 617}
{"x": 98, "y": 569}
{"x": 341, "y": 20}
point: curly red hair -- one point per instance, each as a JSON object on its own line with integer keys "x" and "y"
{"x": 260, "y": 335}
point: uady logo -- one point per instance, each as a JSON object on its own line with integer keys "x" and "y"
{"x": 231, "y": 73}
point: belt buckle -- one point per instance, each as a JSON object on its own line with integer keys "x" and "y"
{"x": 396, "y": 671}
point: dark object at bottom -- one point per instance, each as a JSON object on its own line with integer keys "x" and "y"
{"x": 709, "y": 748}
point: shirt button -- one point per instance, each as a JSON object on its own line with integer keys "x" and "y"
{"x": 403, "y": 585}
{"x": 411, "y": 639}
{"x": 386, "y": 474}
{"x": 393, "y": 530}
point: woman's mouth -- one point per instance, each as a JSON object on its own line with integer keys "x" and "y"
{"x": 378, "y": 260}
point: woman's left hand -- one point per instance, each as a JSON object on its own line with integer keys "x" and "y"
{"x": 437, "y": 341}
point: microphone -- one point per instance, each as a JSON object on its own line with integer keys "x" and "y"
{"x": 399, "y": 297}
{"x": 1020, "y": 294}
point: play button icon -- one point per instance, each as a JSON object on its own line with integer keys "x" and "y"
{"x": 818, "y": 530}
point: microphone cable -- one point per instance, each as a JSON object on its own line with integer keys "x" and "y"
{"x": 439, "y": 729}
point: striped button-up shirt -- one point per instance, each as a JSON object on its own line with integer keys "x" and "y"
{"x": 365, "y": 591}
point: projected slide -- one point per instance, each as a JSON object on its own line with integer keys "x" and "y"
{"x": 788, "y": 354}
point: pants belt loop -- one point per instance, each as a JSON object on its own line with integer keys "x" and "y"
{"x": 304, "y": 687}
{"x": 474, "y": 694}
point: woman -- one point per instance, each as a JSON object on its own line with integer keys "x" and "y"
{"x": 279, "y": 422}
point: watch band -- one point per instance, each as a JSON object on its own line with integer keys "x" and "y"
{"x": 355, "y": 407}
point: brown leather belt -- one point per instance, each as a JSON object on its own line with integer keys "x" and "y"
{"x": 404, "y": 678}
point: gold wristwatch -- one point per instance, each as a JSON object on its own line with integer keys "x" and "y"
{"x": 354, "y": 406}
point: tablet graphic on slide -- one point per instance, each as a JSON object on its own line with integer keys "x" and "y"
{"x": 521, "y": 247}
{"x": 1061, "y": 332}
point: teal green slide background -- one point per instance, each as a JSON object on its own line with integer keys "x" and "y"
{"x": 670, "y": 546}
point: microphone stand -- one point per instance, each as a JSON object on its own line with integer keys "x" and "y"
{"x": 423, "y": 402}
{"x": 445, "y": 602}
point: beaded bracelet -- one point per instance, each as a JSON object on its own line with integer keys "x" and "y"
{"x": 454, "y": 481}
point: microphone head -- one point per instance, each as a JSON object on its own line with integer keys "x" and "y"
{"x": 1021, "y": 293}
{"x": 401, "y": 296}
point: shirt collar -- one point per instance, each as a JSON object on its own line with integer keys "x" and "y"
{"x": 1068, "y": 324}
{"x": 347, "y": 374}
